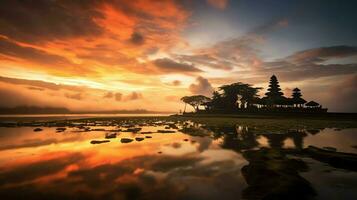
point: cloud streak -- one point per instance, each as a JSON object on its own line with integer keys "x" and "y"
{"x": 170, "y": 66}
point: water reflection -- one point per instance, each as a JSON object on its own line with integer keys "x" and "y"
{"x": 172, "y": 160}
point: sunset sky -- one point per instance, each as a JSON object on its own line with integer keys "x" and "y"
{"x": 147, "y": 54}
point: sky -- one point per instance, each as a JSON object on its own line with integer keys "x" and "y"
{"x": 147, "y": 54}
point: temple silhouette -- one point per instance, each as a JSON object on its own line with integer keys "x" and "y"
{"x": 242, "y": 97}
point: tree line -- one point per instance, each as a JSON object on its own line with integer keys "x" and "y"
{"x": 244, "y": 97}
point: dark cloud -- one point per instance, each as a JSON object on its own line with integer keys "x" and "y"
{"x": 118, "y": 96}
{"x": 309, "y": 64}
{"x": 304, "y": 65}
{"x": 176, "y": 83}
{"x": 227, "y": 55}
{"x": 206, "y": 60}
{"x": 39, "y": 84}
{"x": 108, "y": 95}
{"x": 134, "y": 96}
{"x": 35, "y": 88}
{"x": 44, "y": 20}
{"x": 305, "y": 72}
{"x": 288, "y": 72}
{"x": 168, "y": 65}
{"x": 202, "y": 86}
{"x": 33, "y": 55}
{"x": 321, "y": 54}
{"x": 76, "y": 96}
{"x": 137, "y": 38}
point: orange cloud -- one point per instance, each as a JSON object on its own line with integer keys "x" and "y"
{"x": 92, "y": 39}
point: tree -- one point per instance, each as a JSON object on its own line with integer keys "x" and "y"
{"x": 195, "y": 101}
{"x": 217, "y": 100}
{"x": 186, "y": 100}
{"x": 274, "y": 94}
{"x": 246, "y": 94}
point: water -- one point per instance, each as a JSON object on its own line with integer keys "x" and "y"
{"x": 46, "y": 117}
{"x": 190, "y": 161}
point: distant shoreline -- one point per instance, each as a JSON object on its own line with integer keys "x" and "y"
{"x": 34, "y": 110}
{"x": 50, "y": 117}
{"x": 329, "y": 115}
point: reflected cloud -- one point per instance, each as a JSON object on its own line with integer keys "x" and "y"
{"x": 199, "y": 161}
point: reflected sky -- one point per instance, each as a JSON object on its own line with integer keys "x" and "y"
{"x": 195, "y": 161}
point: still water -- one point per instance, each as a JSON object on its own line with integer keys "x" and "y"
{"x": 169, "y": 159}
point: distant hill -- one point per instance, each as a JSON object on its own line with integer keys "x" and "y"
{"x": 61, "y": 110}
{"x": 34, "y": 110}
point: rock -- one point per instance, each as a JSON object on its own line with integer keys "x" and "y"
{"x": 166, "y": 131}
{"x": 126, "y": 140}
{"x": 139, "y": 139}
{"x": 115, "y": 130}
{"x": 128, "y": 125}
{"x": 185, "y": 140}
{"x": 134, "y": 130}
{"x": 98, "y": 129}
{"x": 110, "y": 135}
{"x": 148, "y": 136}
{"x": 60, "y": 129}
{"x": 173, "y": 126}
{"x": 329, "y": 149}
{"x": 147, "y": 132}
{"x": 99, "y": 141}
{"x": 37, "y": 129}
